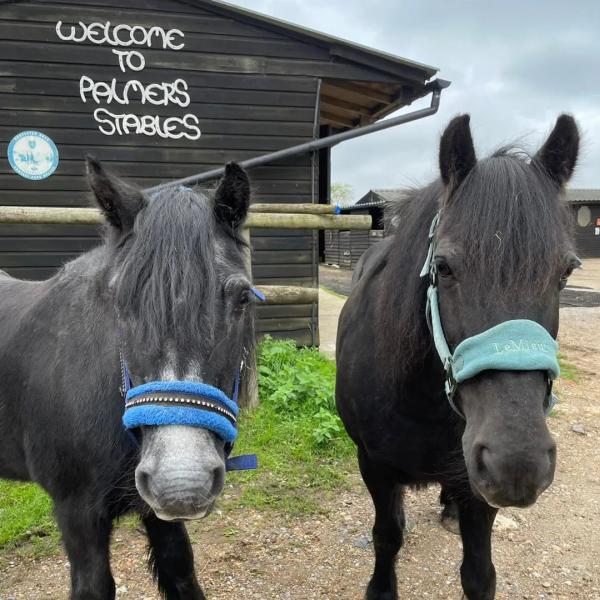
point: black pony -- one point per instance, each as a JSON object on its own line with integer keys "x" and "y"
{"x": 501, "y": 251}
{"x": 168, "y": 292}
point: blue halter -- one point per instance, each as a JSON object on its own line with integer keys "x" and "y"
{"x": 515, "y": 345}
{"x": 188, "y": 403}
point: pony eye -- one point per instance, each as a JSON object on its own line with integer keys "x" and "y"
{"x": 444, "y": 269}
{"x": 565, "y": 277}
{"x": 575, "y": 263}
{"x": 244, "y": 298}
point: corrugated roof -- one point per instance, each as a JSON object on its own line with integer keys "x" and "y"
{"x": 582, "y": 196}
{"x": 390, "y": 194}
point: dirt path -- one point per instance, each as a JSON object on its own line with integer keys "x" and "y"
{"x": 551, "y": 551}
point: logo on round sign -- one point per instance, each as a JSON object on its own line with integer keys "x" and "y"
{"x": 33, "y": 155}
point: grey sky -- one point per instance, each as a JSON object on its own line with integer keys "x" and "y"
{"x": 514, "y": 66}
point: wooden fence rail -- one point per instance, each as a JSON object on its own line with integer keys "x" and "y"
{"x": 304, "y": 209}
{"x": 92, "y": 216}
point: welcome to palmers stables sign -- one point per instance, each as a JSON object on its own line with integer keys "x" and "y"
{"x": 111, "y": 95}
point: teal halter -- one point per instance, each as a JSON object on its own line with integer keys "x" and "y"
{"x": 516, "y": 345}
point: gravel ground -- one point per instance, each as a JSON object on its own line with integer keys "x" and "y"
{"x": 550, "y": 551}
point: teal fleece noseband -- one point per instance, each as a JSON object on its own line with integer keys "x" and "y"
{"x": 516, "y": 345}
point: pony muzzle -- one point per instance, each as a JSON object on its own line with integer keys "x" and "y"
{"x": 509, "y": 452}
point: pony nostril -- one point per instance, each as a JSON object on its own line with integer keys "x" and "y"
{"x": 482, "y": 458}
{"x": 552, "y": 453}
{"x": 218, "y": 481}
{"x": 142, "y": 482}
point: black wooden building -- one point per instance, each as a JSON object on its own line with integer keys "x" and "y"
{"x": 344, "y": 248}
{"x": 134, "y": 83}
{"x": 585, "y": 204}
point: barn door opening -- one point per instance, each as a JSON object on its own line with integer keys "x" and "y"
{"x": 324, "y": 183}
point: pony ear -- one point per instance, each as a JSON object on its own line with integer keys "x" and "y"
{"x": 558, "y": 155}
{"x": 457, "y": 153}
{"x": 232, "y": 197}
{"x": 119, "y": 201}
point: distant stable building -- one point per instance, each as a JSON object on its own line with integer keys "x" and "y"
{"x": 344, "y": 248}
{"x": 162, "y": 89}
{"x": 586, "y": 209}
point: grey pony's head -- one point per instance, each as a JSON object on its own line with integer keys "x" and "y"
{"x": 504, "y": 251}
{"x": 175, "y": 274}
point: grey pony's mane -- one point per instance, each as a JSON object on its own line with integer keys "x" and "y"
{"x": 165, "y": 262}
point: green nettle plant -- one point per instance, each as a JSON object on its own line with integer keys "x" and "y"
{"x": 300, "y": 382}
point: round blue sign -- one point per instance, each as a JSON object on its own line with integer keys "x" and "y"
{"x": 32, "y": 155}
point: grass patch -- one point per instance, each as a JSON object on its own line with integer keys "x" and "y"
{"x": 300, "y": 440}
{"x": 569, "y": 373}
{"x": 568, "y": 370}
{"x": 25, "y": 514}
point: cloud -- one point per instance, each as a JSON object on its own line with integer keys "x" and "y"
{"x": 514, "y": 66}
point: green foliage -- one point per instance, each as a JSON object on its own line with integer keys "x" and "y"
{"x": 299, "y": 382}
{"x": 300, "y": 441}
{"x": 341, "y": 194}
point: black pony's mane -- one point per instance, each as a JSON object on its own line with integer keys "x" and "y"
{"x": 514, "y": 228}
{"x": 168, "y": 268}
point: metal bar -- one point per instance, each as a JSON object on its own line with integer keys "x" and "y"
{"x": 92, "y": 216}
{"x": 436, "y": 88}
{"x": 314, "y": 159}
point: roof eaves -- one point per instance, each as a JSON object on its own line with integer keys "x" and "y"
{"x": 583, "y": 196}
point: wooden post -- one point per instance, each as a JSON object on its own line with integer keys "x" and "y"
{"x": 288, "y": 294}
{"x": 248, "y": 393}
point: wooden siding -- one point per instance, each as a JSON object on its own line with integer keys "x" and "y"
{"x": 344, "y": 248}
{"x": 253, "y": 91}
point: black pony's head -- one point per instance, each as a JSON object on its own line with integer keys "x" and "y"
{"x": 504, "y": 252}
{"x": 175, "y": 274}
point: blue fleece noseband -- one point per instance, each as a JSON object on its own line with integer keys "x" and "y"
{"x": 181, "y": 403}
{"x": 185, "y": 403}
{"x": 516, "y": 345}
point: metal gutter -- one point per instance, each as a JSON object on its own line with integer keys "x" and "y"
{"x": 435, "y": 87}
{"x": 314, "y": 160}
